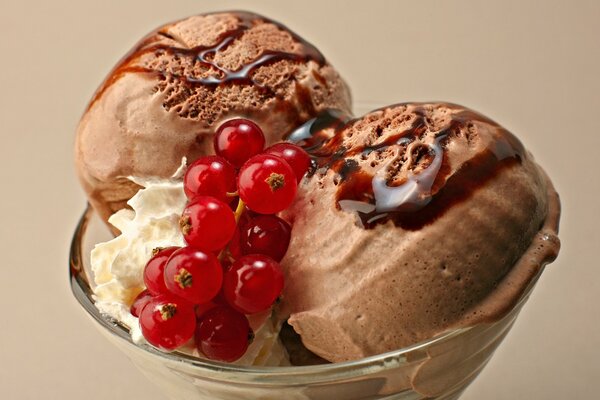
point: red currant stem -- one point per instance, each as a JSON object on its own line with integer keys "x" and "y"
{"x": 232, "y": 194}
{"x": 224, "y": 254}
{"x": 239, "y": 210}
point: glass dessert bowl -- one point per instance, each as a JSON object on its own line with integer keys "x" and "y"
{"x": 439, "y": 368}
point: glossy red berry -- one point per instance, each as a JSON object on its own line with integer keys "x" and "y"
{"x": 267, "y": 184}
{"x": 140, "y": 302}
{"x": 207, "y": 223}
{"x": 167, "y": 322}
{"x": 239, "y": 139}
{"x": 253, "y": 283}
{"x": 223, "y": 334}
{"x": 193, "y": 275}
{"x": 210, "y": 176}
{"x": 298, "y": 159}
{"x": 264, "y": 234}
{"x": 154, "y": 271}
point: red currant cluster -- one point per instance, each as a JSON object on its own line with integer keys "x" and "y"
{"x": 230, "y": 266}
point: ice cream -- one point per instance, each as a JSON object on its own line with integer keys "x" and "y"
{"x": 163, "y": 100}
{"x": 417, "y": 219}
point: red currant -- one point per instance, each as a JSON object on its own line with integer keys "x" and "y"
{"x": 264, "y": 234}
{"x": 239, "y": 139}
{"x": 193, "y": 275}
{"x": 223, "y": 334}
{"x": 253, "y": 283}
{"x": 154, "y": 271}
{"x": 140, "y": 302}
{"x": 167, "y": 322}
{"x": 298, "y": 159}
{"x": 267, "y": 184}
{"x": 207, "y": 223}
{"x": 210, "y": 176}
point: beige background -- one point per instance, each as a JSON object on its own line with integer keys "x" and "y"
{"x": 532, "y": 65}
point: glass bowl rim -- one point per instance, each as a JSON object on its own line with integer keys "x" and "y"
{"x": 271, "y": 375}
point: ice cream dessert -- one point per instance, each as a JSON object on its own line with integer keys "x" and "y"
{"x": 417, "y": 218}
{"x": 164, "y": 99}
{"x": 412, "y": 220}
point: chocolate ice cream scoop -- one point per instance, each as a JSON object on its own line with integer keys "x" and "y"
{"x": 166, "y": 97}
{"x": 417, "y": 219}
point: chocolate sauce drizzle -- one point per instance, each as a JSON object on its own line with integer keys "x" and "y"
{"x": 204, "y": 55}
{"x": 316, "y": 131}
{"x": 425, "y": 194}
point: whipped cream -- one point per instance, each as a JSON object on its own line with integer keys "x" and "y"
{"x": 118, "y": 264}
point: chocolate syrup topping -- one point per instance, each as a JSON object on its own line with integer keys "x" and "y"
{"x": 428, "y": 190}
{"x": 310, "y": 134}
{"x": 204, "y": 56}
